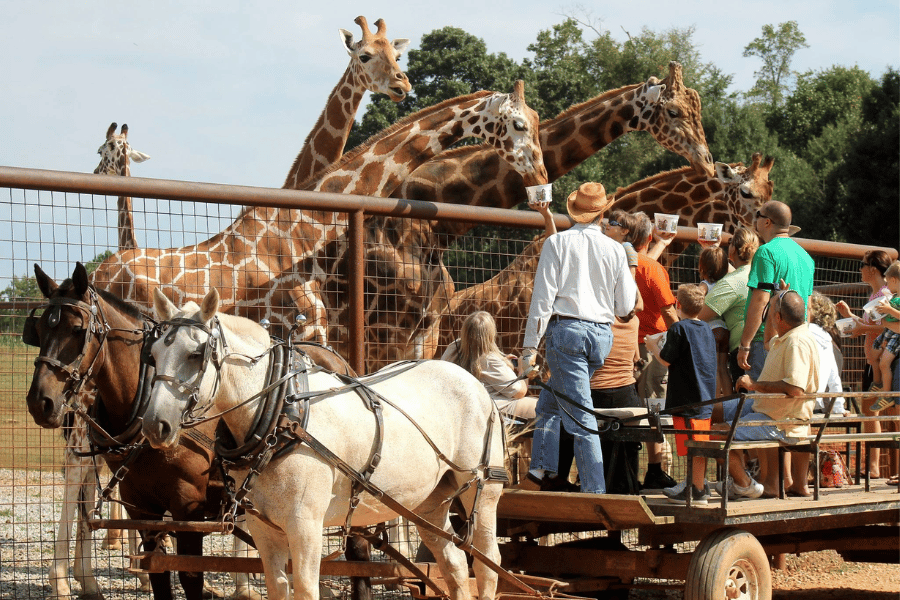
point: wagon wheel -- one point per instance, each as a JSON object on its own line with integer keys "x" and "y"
{"x": 729, "y": 564}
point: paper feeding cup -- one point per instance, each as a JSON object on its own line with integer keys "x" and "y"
{"x": 871, "y": 309}
{"x": 844, "y": 326}
{"x": 709, "y": 232}
{"x": 666, "y": 223}
{"x": 539, "y": 195}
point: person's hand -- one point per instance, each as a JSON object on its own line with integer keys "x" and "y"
{"x": 527, "y": 363}
{"x": 842, "y": 308}
{"x": 542, "y": 206}
{"x": 743, "y": 383}
{"x": 743, "y": 357}
{"x": 857, "y": 329}
{"x": 709, "y": 243}
{"x": 663, "y": 237}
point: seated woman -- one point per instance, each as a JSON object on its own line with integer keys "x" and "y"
{"x": 476, "y": 351}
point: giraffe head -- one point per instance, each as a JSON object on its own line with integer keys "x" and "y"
{"x": 511, "y": 127}
{"x": 671, "y": 112}
{"x": 746, "y": 189}
{"x": 373, "y": 60}
{"x": 116, "y": 152}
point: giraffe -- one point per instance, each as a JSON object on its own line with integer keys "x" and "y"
{"x": 271, "y": 262}
{"x": 732, "y": 198}
{"x": 473, "y": 175}
{"x": 79, "y": 470}
{"x": 373, "y": 67}
{"x": 115, "y": 155}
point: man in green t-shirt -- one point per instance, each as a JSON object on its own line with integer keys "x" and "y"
{"x": 779, "y": 259}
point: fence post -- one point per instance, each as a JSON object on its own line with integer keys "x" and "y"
{"x": 355, "y": 316}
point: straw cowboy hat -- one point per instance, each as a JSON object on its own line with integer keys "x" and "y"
{"x": 587, "y": 202}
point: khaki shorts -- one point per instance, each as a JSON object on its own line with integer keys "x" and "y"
{"x": 653, "y": 379}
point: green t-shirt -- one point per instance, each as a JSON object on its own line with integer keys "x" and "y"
{"x": 727, "y": 299}
{"x": 780, "y": 258}
{"x": 895, "y": 302}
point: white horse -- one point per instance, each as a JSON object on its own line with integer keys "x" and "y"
{"x": 300, "y": 493}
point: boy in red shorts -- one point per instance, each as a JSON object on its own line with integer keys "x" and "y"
{"x": 690, "y": 355}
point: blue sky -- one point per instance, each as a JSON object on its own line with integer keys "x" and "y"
{"x": 226, "y": 91}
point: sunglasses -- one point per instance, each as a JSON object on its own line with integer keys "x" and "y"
{"x": 614, "y": 224}
{"x": 778, "y": 298}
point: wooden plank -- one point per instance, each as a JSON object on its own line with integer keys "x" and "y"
{"x": 607, "y": 510}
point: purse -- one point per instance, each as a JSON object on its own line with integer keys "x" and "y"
{"x": 833, "y": 472}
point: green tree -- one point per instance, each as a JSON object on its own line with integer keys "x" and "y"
{"x": 776, "y": 48}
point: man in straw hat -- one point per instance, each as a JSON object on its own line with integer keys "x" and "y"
{"x": 581, "y": 285}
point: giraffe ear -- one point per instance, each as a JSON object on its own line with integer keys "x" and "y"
{"x": 347, "y": 40}
{"x": 400, "y": 45}
{"x": 136, "y": 156}
{"x": 162, "y": 306}
{"x": 654, "y": 92}
{"x": 209, "y": 305}
{"x": 725, "y": 173}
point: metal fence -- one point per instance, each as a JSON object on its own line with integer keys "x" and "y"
{"x": 379, "y": 279}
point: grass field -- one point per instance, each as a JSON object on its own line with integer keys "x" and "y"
{"x": 23, "y": 445}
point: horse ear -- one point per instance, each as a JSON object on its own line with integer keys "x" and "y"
{"x": 45, "y": 284}
{"x": 80, "y": 279}
{"x": 162, "y": 306}
{"x": 210, "y": 305}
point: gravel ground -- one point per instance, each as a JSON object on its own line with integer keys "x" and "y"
{"x": 30, "y": 504}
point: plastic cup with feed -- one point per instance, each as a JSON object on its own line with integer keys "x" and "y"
{"x": 844, "y": 326}
{"x": 666, "y": 223}
{"x": 709, "y": 232}
{"x": 539, "y": 195}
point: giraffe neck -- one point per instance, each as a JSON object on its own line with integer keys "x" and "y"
{"x": 380, "y": 165}
{"x": 325, "y": 143}
{"x": 579, "y": 132}
{"x": 126, "y": 224}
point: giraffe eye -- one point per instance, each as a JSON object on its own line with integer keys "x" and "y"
{"x": 672, "y": 113}
{"x": 364, "y": 58}
{"x": 746, "y": 193}
{"x": 518, "y": 125}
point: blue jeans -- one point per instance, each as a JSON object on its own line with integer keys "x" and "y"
{"x": 749, "y": 433}
{"x": 756, "y": 358}
{"x": 574, "y": 350}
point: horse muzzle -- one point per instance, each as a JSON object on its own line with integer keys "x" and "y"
{"x": 161, "y": 433}
{"x": 46, "y": 411}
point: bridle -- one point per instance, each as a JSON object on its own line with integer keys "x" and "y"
{"x": 97, "y": 326}
{"x": 192, "y": 413}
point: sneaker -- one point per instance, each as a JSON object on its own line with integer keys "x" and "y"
{"x": 753, "y": 467}
{"x": 674, "y": 491}
{"x": 658, "y": 481}
{"x": 697, "y": 496}
{"x": 736, "y": 492}
{"x": 873, "y": 392}
{"x": 882, "y": 403}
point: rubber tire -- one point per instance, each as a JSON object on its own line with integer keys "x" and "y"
{"x": 724, "y": 558}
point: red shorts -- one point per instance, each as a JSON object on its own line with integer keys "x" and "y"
{"x": 688, "y": 423}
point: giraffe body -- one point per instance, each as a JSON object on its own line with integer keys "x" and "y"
{"x": 732, "y": 198}
{"x": 473, "y": 174}
{"x": 270, "y": 263}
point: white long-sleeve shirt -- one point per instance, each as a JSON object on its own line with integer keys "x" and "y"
{"x": 583, "y": 274}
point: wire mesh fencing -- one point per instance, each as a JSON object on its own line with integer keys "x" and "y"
{"x": 420, "y": 278}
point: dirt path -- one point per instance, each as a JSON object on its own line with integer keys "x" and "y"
{"x": 825, "y": 576}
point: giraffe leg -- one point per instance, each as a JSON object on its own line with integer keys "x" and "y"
{"x": 83, "y": 567}
{"x": 113, "y": 540}
{"x": 59, "y": 568}
{"x": 242, "y": 588}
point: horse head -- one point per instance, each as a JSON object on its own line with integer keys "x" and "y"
{"x": 74, "y": 332}
{"x": 189, "y": 353}
{"x": 64, "y": 333}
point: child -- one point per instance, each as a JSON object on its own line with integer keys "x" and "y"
{"x": 887, "y": 341}
{"x": 713, "y": 266}
{"x": 690, "y": 355}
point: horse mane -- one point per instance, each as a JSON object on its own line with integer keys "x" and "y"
{"x": 387, "y": 131}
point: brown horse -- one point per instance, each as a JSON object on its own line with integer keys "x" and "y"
{"x": 90, "y": 338}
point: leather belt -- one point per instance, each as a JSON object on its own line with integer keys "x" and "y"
{"x": 564, "y": 318}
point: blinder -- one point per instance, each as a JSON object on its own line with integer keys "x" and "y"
{"x": 29, "y": 332}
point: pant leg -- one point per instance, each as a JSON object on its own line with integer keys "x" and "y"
{"x": 574, "y": 351}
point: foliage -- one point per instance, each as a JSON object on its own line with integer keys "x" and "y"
{"x": 776, "y": 49}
